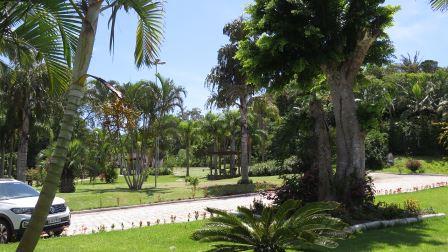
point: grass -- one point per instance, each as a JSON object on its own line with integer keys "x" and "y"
{"x": 426, "y": 236}
{"x": 170, "y": 188}
{"x": 430, "y": 165}
{"x": 430, "y": 235}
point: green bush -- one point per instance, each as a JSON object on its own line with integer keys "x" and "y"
{"x": 270, "y": 168}
{"x": 110, "y": 175}
{"x": 36, "y": 174}
{"x": 162, "y": 171}
{"x": 291, "y": 164}
{"x": 376, "y": 149}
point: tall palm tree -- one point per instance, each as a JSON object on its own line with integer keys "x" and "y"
{"x": 168, "y": 96}
{"x": 211, "y": 127}
{"x": 230, "y": 88}
{"x": 149, "y": 34}
{"x": 188, "y": 130}
{"x": 441, "y": 5}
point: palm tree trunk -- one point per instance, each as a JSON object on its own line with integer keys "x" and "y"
{"x": 244, "y": 141}
{"x": 215, "y": 157}
{"x": 80, "y": 67}
{"x": 188, "y": 158}
{"x": 22, "y": 150}
{"x": 232, "y": 156}
{"x": 11, "y": 157}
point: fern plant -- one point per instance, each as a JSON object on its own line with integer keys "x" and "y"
{"x": 282, "y": 228}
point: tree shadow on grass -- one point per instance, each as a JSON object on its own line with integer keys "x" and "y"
{"x": 412, "y": 235}
{"x": 148, "y": 191}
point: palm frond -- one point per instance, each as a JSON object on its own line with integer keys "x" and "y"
{"x": 277, "y": 229}
{"x": 441, "y": 5}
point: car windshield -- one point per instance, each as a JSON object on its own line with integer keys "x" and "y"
{"x": 16, "y": 190}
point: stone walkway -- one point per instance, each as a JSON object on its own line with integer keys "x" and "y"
{"x": 84, "y": 223}
{"x": 392, "y": 183}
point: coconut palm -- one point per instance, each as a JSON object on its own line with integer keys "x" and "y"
{"x": 441, "y": 5}
{"x": 282, "y": 228}
{"x": 149, "y": 34}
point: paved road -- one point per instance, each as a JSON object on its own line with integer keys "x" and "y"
{"x": 184, "y": 211}
{"x": 384, "y": 183}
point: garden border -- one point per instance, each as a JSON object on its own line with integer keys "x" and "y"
{"x": 391, "y": 223}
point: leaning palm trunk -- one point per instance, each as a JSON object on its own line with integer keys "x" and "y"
{"x": 22, "y": 150}
{"x": 244, "y": 141}
{"x": 81, "y": 65}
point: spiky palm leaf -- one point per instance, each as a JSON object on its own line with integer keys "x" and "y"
{"x": 287, "y": 227}
{"x": 40, "y": 29}
{"x": 149, "y": 29}
{"x": 441, "y": 5}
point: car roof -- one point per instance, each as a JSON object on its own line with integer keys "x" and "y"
{"x": 7, "y": 180}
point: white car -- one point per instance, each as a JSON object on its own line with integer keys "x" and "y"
{"x": 17, "y": 202}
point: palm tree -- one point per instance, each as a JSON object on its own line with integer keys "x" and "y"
{"x": 211, "y": 127}
{"x": 230, "y": 88}
{"x": 441, "y": 5}
{"x": 73, "y": 165}
{"x": 232, "y": 119}
{"x": 168, "y": 96}
{"x": 188, "y": 130}
{"x": 263, "y": 111}
{"x": 282, "y": 228}
{"x": 87, "y": 12}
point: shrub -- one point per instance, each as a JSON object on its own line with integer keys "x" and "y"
{"x": 36, "y": 174}
{"x": 412, "y": 207}
{"x": 270, "y": 168}
{"x": 414, "y": 165}
{"x": 110, "y": 175}
{"x": 194, "y": 182}
{"x": 162, "y": 171}
{"x": 298, "y": 187}
{"x": 291, "y": 164}
{"x": 376, "y": 149}
{"x": 245, "y": 230}
{"x": 392, "y": 211}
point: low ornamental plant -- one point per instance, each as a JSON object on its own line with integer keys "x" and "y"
{"x": 414, "y": 165}
{"x": 278, "y": 228}
{"x": 193, "y": 182}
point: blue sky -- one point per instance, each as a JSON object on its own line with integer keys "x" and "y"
{"x": 193, "y": 34}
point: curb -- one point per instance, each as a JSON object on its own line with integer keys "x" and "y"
{"x": 98, "y": 210}
{"x": 390, "y": 223}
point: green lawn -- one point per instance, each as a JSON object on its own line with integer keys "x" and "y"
{"x": 430, "y": 165}
{"x": 173, "y": 187}
{"x": 430, "y": 235}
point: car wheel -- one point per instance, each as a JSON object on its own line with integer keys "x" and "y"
{"x": 58, "y": 232}
{"x": 5, "y": 232}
